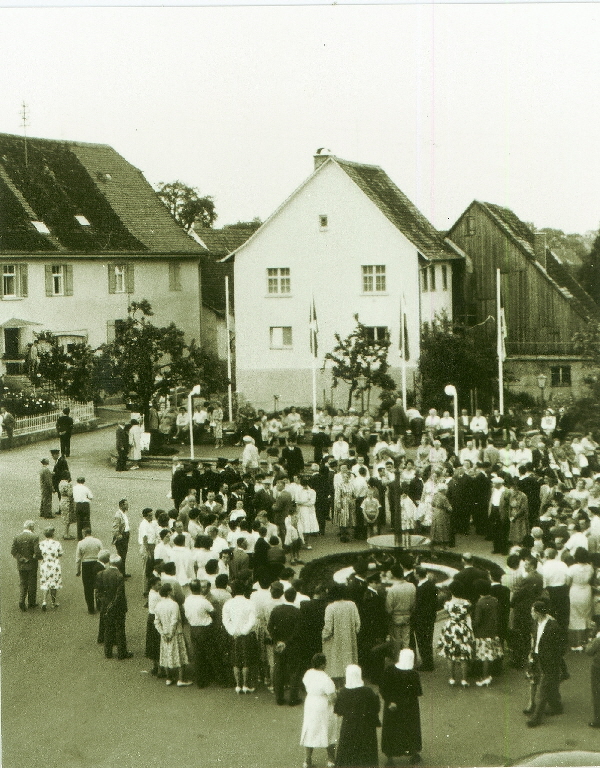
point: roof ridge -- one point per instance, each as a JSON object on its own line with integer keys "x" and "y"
{"x": 68, "y": 142}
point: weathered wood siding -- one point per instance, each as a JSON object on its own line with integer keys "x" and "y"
{"x": 540, "y": 320}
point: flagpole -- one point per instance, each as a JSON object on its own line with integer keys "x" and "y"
{"x": 229, "y": 372}
{"x": 403, "y": 347}
{"x": 499, "y": 344}
{"x": 313, "y": 351}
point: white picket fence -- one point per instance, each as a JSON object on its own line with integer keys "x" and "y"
{"x": 26, "y": 425}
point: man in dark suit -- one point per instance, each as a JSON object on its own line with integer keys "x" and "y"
{"x": 26, "y": 551}
{"x": 110, "y": 596}
{"x": 464, "y": 581}
{"x": 547, "y": 650}
{"x": 60, "y": 469}
{"x": 531, "y": 488}
{"x": 292, "y": 458}
{"x": 255, "y": 432}
{"x": 397, "y": 418}
{"x": 64, "y": 427}
{"x": 320, "y": 442}
{"x": 423, "y": 620}
{"x": 282, "y": 507}
{"x": 528, "y": 591}
{"x": 122, "y": 447}
{"x": 283, "y": 630}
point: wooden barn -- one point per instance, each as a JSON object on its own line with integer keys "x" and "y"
{"x": 544, "y": 306}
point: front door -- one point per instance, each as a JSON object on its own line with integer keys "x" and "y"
{"x": 11, "y": 343}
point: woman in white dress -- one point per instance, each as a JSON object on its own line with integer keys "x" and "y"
{"x": 167, "y": 620}
{"x": 135, "y": 443}
{"x": 305, "y": 506}
{"x": 320, "y": 727}
{"x": 580, "y": 578}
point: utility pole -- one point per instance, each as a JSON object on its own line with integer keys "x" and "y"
{"x": 24, "y": 124}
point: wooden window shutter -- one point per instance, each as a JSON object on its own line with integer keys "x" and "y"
{"x": 49, "y": 280}
{"x": 110, "y": 331}
{"x": 23, "y": 280}
{"x": 129, "y": 281}
{"x": 68, "y": 277}
{"x": 174, "y": 277}
{"x": 112, "y": 280}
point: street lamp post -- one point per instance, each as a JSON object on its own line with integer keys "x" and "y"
{"x": 362, "y": 385}
{"x": 450, "y": 390}
{"x": 541, "y": 381}
{"x": 195, "y": 391}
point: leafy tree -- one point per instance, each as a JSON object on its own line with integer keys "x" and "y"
{"x": 70, "y": 373}
{"x": 456, "y": 355}
{"x": 358, "y": 355}
{"x": 589, "y": 273}
{"x": 149, "y": 360}
{"x": 573, "y": 248}
{"x": 186, "y": 205}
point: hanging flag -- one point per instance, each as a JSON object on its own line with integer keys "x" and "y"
{"x": 314, "y": 329}
{"x": 502, "y": 336}
{"x": 403, "y": 336}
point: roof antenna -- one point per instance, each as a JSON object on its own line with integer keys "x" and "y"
{"x": 25, "y": 123}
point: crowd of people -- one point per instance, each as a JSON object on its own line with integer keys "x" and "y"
{"x": 225, "y": 605}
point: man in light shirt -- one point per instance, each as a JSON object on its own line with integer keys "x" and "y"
{"x": 184, "y": 562}
{"x": 555, "y": 574}
{"x": 147, "y": 539}
{"x": 198, "y": 612}
{"x": 86, "y": 565}
{"x": 239, "y": 620}
{"x": 81, "y": 498}
{"x": 121, "y": 534}
{"x": 479, "y": 428}
{"x": 470, "y": 453}
{"x": 340, "y": 450}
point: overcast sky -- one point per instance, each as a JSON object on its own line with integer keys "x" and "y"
{"x": 455, "y": 102}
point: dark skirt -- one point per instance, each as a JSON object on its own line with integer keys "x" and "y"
{"x": 152, "y": 640}
{"x": 401, "y": 730}
{"x": 357, "y": 745}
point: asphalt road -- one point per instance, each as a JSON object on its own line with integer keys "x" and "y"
{"x": 64, "y": 705}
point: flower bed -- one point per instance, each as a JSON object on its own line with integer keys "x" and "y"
{"x": 24, "y": 404}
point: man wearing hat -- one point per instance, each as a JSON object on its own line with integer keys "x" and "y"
{"x": 320, "y": 443}
{"x": 46, "y": 489}
{"x": 110, "y": 594}
{"x": 60, "y": 469}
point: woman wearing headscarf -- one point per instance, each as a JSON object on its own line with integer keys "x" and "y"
{"x": 358, "y": 706}
{"x": 400, "y": 689}
{"x": 320, "y": 725}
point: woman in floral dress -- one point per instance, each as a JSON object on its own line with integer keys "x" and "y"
{"x": 167, "y": 620}
{"x": 66, "y": 504}
{"x": 50, "y": 570}
{"x": 457, "y": 642}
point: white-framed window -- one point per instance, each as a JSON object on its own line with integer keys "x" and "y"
{"x": 9, "y": 280}
{"x": 432, "y": 277}
{"x": 323, "y": 222}
{"x": 281, "y": 337}
{"x": 278, "y": 281}
{"x": 120, "y": 278}
{"x": 373, "y": 278}
{"x": 560, "y": 376}
{"x": 120, "y": 271}
{"x": 58, "y": 280}
{"x": 377, "y": 332}
{"x": 444, "y": 277}
{"x": 425, "y": 279}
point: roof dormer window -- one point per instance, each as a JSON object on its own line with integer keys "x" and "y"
{"x": 41, "y": 227}
{"x": 82, "y": 220}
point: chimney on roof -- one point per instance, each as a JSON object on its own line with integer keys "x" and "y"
{"x": 321, "y": 156}
{"x": 539, "y": 247}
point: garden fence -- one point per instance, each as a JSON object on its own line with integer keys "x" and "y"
{"x": 25, "y": 425}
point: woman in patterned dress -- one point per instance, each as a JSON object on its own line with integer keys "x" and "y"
{"x": 167, "y": 620}
{"x": 457, "y": 642}
{"x": 50, "y": 570}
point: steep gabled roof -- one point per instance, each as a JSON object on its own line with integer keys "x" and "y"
{"x": 394, "y": 204}
{"x": 375, "y": 184}
{"x": 219, "y": 243}
{"x": 55, "y": 181}
{"x": 554, "y": 270}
